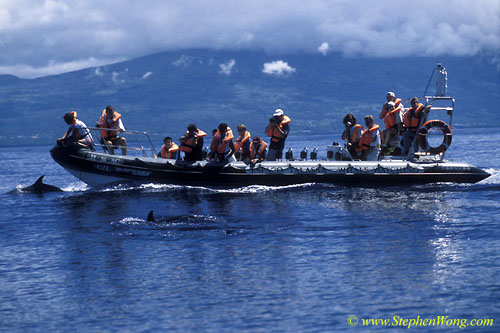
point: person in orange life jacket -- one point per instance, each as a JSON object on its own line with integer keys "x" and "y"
{"x": 352, "y": 135}
{"x": 392, "y": 118}
{"x": 192, "y": 143}
{"x": 77, "y": 134}
{"x": 393, "y": 124}
{"x": 110, "y": 119}
{"x": 242, "y": 144}
{"x": 278, "y": 129}
{"x": 222, "y": 146}
{"x": 370, "y": 140}
{"x": 411, "y": 121}
{"x": 257, "y": 150}
{"x": 169, "y": 149}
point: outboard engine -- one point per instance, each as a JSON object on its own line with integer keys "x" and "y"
{"x": 289, "y": 154}
{"x": 303, "y": 154}
{"x": 441, "y": 81}
{"x": 314, "y": 154}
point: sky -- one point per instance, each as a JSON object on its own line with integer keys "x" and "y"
{"x": 39, "y": 38}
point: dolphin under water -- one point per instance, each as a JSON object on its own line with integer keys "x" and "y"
{"x": 40, "y": 187}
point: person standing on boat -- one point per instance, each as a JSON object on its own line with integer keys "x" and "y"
{"x": 222, "y": 146}
{"x": 242, "y": 144}
{"x": 112, "y": 122}
{"x": 77, "y": 134}
{"x": 352, "y": 135}
{"x": 169, "y": 149}
{"x": 258, "y": 149}
{"x": 392, "y": 113}
{"x": 192, "y": 143}
{"x": 278, "y": 129}
{"x": 411, "y": 121}
{"x": 370, "y": 140}
{"x": 393, "y": 126}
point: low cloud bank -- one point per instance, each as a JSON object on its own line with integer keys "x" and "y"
{"x": 48, "y": 37}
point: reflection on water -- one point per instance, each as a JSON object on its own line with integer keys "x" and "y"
{"x": 298, "y": 258}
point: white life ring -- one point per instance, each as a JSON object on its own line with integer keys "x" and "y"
{"x": 422, "y": 136}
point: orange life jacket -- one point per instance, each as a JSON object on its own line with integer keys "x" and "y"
{"x": 219, "y": 145}
{"x": 390, "y": 117}
{"x": 366, "y": 138}
{"x": 114, "y": 125}
{"x": 167, "y": 153}
{"x": 257, "y": 151}
{"x": 411, "y": 119}
{"x": 273, "y": 132}
{"x": 241, "y": 143}
{"x": 191, "y": 140}
{"x": 358, "y": 130}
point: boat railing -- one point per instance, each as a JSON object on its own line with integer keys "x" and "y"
{"x": 137, "y": 141}
{"x": 432, "y": 103}
{"x": 439, "y": 103}
{"x": 435, "y": 104}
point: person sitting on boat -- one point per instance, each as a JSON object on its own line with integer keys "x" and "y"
{"x": 393, "y": 125}
{"x": 242, "y": 144}
{"x": 192, "y": 143}
{"x": 112, "y": 122}
{"x": 222, "y": 146}
{"x": 169, "y": 149}
{"x": 370, "y": 140}
{"x": 352, "y": 135}
{"x": 257, "y": 149}
{"x": 278, "y": 129}
{"x": 77, "y": 134}
{"x": 411, "y": 121}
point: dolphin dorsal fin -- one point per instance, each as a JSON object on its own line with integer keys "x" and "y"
{"x": 150, "y": 217}
{"x": 39, "y": 180}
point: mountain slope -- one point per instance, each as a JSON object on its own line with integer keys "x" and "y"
{"x": 165, "y": 92}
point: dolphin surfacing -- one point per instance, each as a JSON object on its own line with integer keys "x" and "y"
{"x": 166, "y": 219}
{"x": 40, "y": 187}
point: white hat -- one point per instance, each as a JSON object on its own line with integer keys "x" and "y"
{"x": 390, "y": 93}
{"x": 277, "y": 113}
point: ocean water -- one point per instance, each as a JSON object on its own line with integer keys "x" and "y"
{"x": 256, "y": 259}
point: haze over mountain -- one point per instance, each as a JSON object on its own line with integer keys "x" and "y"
{"x": 163, "y": 93}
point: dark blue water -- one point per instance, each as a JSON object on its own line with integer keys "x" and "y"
{"x": 258, "y": 259}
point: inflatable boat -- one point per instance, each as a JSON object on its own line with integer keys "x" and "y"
{"x": 98, "y": 169}
{"x": 425, "y": 163}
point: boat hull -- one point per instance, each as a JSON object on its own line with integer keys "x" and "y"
{"x": 98, "y": 169}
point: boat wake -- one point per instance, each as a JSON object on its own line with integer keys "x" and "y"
{"x": 152, "y": 188}
{"x": 490, "y": 183}
{"x": 76, "y": 187}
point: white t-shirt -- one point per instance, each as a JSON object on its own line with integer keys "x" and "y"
{"x": 120, "y": 123}
{"x": 82, "y": 130}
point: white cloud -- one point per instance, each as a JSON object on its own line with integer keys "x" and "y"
{"x": 98, "y": 72}
{"x": 227, "y": 67}
{"x": 277, "y": 68}
{"x": 146, "y": 75}
{"x": 184, "y": 61}
{"x": 53, "y": 68}
{"x": 115, "y": 78}
{"x": 34, "y": 33}
{"x": 324, "y": 48}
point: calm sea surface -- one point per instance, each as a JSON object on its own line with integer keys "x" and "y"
{"x": 257, "y": 259}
